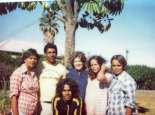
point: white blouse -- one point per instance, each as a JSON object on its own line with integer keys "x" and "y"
{"x": 96, "y": 96}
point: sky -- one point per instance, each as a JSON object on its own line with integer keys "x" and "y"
{"x": 133, "y": 31}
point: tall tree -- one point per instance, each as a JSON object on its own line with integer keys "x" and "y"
{"x": 48, "y": 21}
{"x": 73, "y": 13}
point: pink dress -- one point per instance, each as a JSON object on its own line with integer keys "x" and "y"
{"x": 25, "y": 85}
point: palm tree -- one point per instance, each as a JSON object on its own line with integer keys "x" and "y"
{"x": 48, "y": 22}
{"x": 74, "y": 13}
{"x": 86, "y": 14}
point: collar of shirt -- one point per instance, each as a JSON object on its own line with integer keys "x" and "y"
{"x": 115, "y": 77}
{"x": 120, "y": 76}
{"x": 24, "y": 70}
{"x": 47, "y": 63}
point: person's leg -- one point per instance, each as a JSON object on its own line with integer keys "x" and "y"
{"x": 20, "y": 113}
{"x": 46, "y": 108}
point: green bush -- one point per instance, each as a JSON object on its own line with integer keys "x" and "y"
{"x": 144, "y": 76}
{"x": 5, "y": 72}
{"x": 11, "y": 59}
{"x": 4, "y": 102}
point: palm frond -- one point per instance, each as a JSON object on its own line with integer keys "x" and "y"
{"x": 48, "y": 22}
{"x": 7, "y": 7}
{"x": 29, "y": 6}
{"x": 114, "y": 6}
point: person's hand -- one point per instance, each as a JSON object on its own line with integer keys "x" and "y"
{"x": 103, "y": 68}
{"x": 101, "y": 73}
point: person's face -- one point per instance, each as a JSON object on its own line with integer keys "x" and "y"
{"x": 78, "y": 64}
{"x": 67, "y": 93}
{"x": 50, "y": 55}
{"x": 95, "y": 67}
{"x": 117, "y": 68}
{"x": 31, "y": 62}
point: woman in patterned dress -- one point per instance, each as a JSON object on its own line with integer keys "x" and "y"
{"x": 24, "y": 86}
{"x": 121, "y": 98}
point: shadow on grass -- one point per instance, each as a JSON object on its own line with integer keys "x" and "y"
{"x": 142, "y": 109}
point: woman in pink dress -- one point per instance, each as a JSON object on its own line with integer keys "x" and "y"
{"x": 24, "y": 86}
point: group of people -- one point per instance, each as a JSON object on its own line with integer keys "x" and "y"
{"x": 87, "y": 88}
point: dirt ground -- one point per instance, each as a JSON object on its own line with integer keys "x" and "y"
{"x": 145, "y": 100}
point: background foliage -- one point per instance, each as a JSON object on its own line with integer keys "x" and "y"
{"x": 144, "y": 76}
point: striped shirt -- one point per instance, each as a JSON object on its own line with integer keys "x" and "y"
{"x": 48, "y": 79}
{"x": 96, "y": 96}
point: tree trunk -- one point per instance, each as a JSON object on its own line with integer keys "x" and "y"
{"x": 48, "y": 37}
{"x": 70, "y": 28}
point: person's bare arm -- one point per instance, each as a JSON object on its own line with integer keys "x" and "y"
{"x": 14, "y": 105}
{"x": 101, "y": 75}
{"x": 128, "y": 111}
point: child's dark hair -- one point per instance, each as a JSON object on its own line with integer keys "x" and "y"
{"x": 73, "y": 85}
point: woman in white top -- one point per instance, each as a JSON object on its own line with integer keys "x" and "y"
{"x": 97, "y": 87}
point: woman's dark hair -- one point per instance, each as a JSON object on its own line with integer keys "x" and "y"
{"x": 28, "y": 53}
{"x": 82, "y": 57}
{"x": 121, "y": 59}
{"x": 100, "y": 60}
{"x": 73, "y": 86}
{"x": 50, "y": 45}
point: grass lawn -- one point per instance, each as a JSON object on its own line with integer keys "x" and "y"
{"x": 146, "y": 102}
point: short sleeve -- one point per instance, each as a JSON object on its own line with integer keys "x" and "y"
{"x": 63, "y": 71}
{"x": 130, "y": 88}
{"x": 15, "y": 81}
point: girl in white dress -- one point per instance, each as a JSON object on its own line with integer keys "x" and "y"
{"x": 97, "y": 87}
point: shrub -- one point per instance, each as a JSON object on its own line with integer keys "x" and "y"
{"x": 144, "y": 76}
{"x": 4, "y": 102}
{"x": 5, "y": 72}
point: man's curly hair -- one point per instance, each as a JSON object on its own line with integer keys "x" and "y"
{"x": 73, "y": 86}
{"x": 80, "y": 55}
